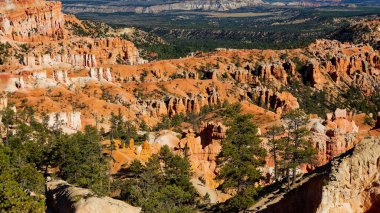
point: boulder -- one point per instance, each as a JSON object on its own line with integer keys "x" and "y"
{"x": 65, "y": 198}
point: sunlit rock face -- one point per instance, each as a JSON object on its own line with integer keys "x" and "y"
{"x": 350, "y": 183}
{"x": 63, "y": 197}
{"x": 203, "y": 150}
{"x": 31, "y": 20}
{"x": 334, "y": 135}
{"x": 354, "y": 184}
{"x": 67, "y": 121}
{"x": 41, "y": 25}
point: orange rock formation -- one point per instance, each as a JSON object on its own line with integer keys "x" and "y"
{"x": 203, "y": 149}
{"x": 31, "y": 20}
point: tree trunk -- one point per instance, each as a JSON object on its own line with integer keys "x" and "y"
{"x": 7, "y": 136}
{"x": 293, "y": 175}
{"x": 275, "y": 160}
{"x": 288, "y": 177}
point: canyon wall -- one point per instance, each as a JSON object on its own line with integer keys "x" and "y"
{"x": 32, "y": 20}
{"x": 350, "y": 183}
{"x": 86, "y": 52}
{"x": 40, "y": 26}
{"x": 354, "y": 183}
{"x": 305, "y": 197}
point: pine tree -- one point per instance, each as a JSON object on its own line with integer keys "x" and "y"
{"x": 15, "y": 183}
{"x": 239, "y": 159}
{"x": 274, "y": 144}
{"x": 80, "y": 159}
{"x": 297, "y": 149}
{"x": 163, "y": 184}
{"x": 8, "y": 119}
{"x": 135, "y": 168}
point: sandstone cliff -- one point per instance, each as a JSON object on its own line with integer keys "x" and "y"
{"x": 354, "y": 183}
{"x": 31, "y": 20}
{"x": 67, "y": 121}
{"x": 350, "y": 183}
{"x": 48, "y": 41}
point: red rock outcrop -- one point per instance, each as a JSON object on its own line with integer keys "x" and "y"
{"x": 356, "y": 65}
{"x": 279, "y": 102}
{"x": 243, "y": 76}
{"x": 334, "y": 136}
{"x": 177, "y": 105}
{"x": 314, "y": 73}
{"x": 115, "y": 50}
{"x": 193, "y": 104}
{"x": 31, "y": 20}
{"x": 152, "y": 108}
{"x": 203, "y": 149}
{"x": 42, "y": 25}
{"x": 123, "y": 154}
{"x": 276, "y": 72}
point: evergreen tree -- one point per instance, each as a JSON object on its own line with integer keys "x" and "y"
{"x": 135, "y": 168}
{"x": 275, "y": 146}
{"x": 8, "y": 119}
{"x": 16, "y": 184}
{"x": 163, "y": 184}
{"x": 80, "y": 159}
{"x": 239, "y": 159}
{"x": 297, "y": 149}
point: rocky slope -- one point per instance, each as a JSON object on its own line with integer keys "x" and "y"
{"x": 361, "y": 31}
{"x": 125, "y": 6}
{"x": 354, "y": 182}
{"x": 349, "y": 184}
{"x": 31, "y": 20}
{"x": 46, "y": 40}
{"x": 169, "y": 5}
{"x": 82, "y": 76}
{"x": 334, "y": 135}
{"x": 64, "y": 198}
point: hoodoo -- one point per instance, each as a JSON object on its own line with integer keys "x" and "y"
{"x": 99, "y": 117}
